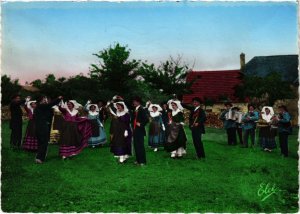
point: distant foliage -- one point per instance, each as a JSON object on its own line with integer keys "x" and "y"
{"x": 9, "y": 87}
{"x": 266, "y": 89}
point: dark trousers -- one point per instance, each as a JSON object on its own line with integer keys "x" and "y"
{"x": 283, "y": 141}
{"x": 16, "y": 136}
{"x": 196, "y": 134}
{"x": 43, "y": 139}
{"x": 139, "y": 148}
{"x": 250, "y": 132}
{"x": 240, "y": 134}
{"x": 231, "y": 136}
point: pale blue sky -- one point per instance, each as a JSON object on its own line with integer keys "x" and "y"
{"x": 60, "y": 37}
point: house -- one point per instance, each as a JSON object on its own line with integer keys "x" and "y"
{"x": 287, "y": 65}
{"x": 213, "y": 85}
{"x": 219, "y": 85}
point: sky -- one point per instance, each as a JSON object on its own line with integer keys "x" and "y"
{"x": 39, "y": 38}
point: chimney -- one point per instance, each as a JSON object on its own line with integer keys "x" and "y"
{"x": 242, "y": 61}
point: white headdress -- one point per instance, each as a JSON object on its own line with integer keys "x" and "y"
{"x": 119, "y": 114}
{"x": 96, "y": 112}
{"x": 28, "y": 105}
{"x": 75, "y": 103}
{"x": 177, "y": 102}
{"x": 265, "y": 116}
{"x": 154, "y": 105}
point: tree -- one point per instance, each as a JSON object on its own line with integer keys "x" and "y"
{"x": 9, "y": 87}
{"x": 264, "y": 90}
{"x": 116, "y": 74}
{"x": 169, "y": 77}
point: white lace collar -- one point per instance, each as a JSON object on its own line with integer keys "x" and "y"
{"x": 175, "y": 112}
{"x": 93, "y": 113}
{"x": 154, "y": 114}
{"x": 120, "y": 114}
{"x": 73, "y": 112}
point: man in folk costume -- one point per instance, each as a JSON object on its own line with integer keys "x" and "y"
{"x": 42, "y": 114}
{"x": 229, "y": 123}
{"x": 284, "y": 129}
{"x": 102, "y": 111}
{"x": 139, "y": 120}
{"x": 249, "y": 125}
{"x": 16, "y": 121}
{"x": 197, "y": 119}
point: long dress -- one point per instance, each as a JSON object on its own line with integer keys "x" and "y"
{"x": 156, "y": 133}
{"x": 121, "y": 145}
{"x": 267, "y": 137}
{"x": 75, "y": 132}
{"x": 176, "y": 137}
{"x": 30, "y": 142}
{"x": 98, "y": 133}
{"x": 56, "y": 126}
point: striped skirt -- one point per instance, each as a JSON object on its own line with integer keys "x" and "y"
{"x": 74, "y": 137}
{"x": 30, "y": 142}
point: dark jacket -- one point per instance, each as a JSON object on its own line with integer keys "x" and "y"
{"x": 16, "y": 113}
{"x": 42, "y": 115}
{"x": 197, "y": 116}
{"x": 141, "y": 117}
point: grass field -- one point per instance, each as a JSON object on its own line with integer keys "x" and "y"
{"x": 228, "y": 181}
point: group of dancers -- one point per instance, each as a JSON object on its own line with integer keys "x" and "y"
{"x": 60, "y": 122}
{"x": 269, "y": 124}
{"x": 57, "y": 121}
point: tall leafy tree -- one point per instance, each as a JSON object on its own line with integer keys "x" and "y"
{"x": 115, "y": 73}
{"x": 169, "y": 77}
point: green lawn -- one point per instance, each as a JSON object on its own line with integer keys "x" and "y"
{"x": 228, "y": 181}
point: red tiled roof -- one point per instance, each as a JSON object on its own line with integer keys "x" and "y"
{"x": 212, "y": 84}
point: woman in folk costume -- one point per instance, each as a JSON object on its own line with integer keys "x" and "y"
{"x": 156, "y": 127}
{"x": 57, "y": 122}
{"x": 75, "y": 131}
{"x": 266, "y": 134}
{"x": 176, "y": 140}
{"x": 30, "y": 140}
{"x": 112, "y": 110}
{"x": 121, "y": 133}
{"x": 98, "y": 132}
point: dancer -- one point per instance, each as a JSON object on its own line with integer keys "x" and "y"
{"x": 249, "y": 126}
{"x": 266, "y": 133}
{"x": 176, "y": 140}
{"x": 156, "y": 128}
{"x": 30, "y": 141}
{"x": 16, "y": 121}
{"x": 197, "y": 119}
{"x": 121, "y": 133}
{"x": 139, "y": 120}
{"x": 102, "y": 111}
{"x": 75, "y": 131}
{"x": 42, "y": 114}
{"x": 98, "y": 133}
{"x": 228, "y": 118}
